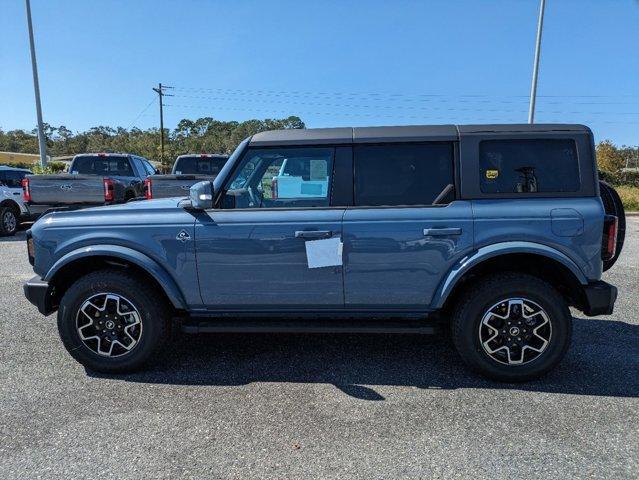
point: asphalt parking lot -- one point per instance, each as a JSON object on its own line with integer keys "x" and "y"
{"x": 311, "y": 406}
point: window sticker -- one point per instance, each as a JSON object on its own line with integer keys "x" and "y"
{"x": 324, "y": 253}
{"x": 492, "y": 174}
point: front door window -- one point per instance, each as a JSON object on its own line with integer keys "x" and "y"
{"x": 282, "y": 178}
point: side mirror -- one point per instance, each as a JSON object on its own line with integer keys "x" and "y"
{"x": 202, "y": 195}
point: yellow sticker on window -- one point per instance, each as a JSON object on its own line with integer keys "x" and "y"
{"x": 492, "y": 174}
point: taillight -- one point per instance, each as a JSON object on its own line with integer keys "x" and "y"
{"x": 30, "y": 248}
{"x": 108, "y": 190}
{"x": 148, "y": 188}
{"x": 609, "y": 237}
{"x": 274, "y": 188}
{"x": 26, "y": 190}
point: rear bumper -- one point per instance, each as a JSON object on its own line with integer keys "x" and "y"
{"x": 39, "y": 293}
{"x": 599, "y": 298}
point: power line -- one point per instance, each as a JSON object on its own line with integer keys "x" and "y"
{"x": 405, "y": 100}
{"x": 397, "y": 107}
{"x": 377, "y": 94}
{"x": 382, "y": 115}
{"x": 142, "y": 112}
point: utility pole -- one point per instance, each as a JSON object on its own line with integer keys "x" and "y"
{"x": 36, "y": 87}
{"x": 533, "y": 88}
{"x": 161, "y": 95}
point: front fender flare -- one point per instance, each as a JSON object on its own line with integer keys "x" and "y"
{"x": 117, "y": 251}
{"x": 495, "y": 250}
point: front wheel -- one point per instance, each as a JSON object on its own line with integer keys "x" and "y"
{"x": 111, "y": 321}
{"x": 512, "y": 327}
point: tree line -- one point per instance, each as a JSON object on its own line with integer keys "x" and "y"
{"x": 618, "y": 165}
{"x": 209, "y": 135}
{"x": 190, "y": 136}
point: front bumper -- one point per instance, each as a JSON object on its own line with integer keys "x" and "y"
{"x": 599, "y": 298}
{"x": 40, "y": 294}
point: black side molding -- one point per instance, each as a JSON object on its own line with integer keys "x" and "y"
{"x": 307, "y": 325}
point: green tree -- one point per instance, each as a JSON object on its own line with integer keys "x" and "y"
{"x": 609, "y": 158}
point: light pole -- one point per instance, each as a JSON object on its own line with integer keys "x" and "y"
{"x": 533, "y": 88}
{"x": 36, "y": 87}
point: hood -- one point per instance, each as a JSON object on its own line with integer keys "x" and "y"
{"x": 139, "y": 213}
{"x": 138, "y": 205}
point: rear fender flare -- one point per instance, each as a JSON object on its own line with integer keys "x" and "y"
{"x": 470, "y": 261}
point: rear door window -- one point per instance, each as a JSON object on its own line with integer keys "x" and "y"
{"x": 148, "y": 167}
{"x": 528, "y": 166}
{"x": 402, "y": 174}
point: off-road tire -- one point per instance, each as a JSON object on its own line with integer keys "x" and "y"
{"x": 490, "y": 290}
{"x": 154, "y": 315}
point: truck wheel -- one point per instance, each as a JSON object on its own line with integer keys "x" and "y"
{"x": 613, "y": 206}
{"x": 111, "y": 321}
{"x": 511, "y": 327}
{"x": 8, "y": 221}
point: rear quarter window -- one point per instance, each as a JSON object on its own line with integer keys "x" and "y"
{"x": 528, "y": 166}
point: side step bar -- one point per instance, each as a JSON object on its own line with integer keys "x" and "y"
{"x": 207, "y": 325}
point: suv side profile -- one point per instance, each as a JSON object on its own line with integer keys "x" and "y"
{"x": 496, "y": 229}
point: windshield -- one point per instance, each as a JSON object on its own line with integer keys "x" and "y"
{"x": 102, "y": 165}
{"x": 199, "y": 165}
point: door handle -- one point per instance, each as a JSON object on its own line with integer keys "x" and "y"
{"x": 314, "y": 234}
{"x": 440, "y": 232}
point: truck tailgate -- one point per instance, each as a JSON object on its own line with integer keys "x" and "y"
{"x": 165, "y": 186}
{"x": 66, "y": 189}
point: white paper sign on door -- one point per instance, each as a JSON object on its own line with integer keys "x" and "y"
{"x": 324, "y": 253}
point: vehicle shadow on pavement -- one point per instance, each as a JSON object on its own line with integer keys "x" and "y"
{"x": 603, "y": 360}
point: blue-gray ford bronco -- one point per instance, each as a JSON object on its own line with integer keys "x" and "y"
{"x": 491, "y": 230}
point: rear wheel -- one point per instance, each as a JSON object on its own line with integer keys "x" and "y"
{"x": 512, "y": 327}
{"x": 111, "y": 321}
{"x": 8, "y": 221}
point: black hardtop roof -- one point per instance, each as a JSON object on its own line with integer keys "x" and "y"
{"x": 408, "y": 133}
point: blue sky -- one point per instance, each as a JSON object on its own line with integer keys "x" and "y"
{"x": 333, "y": 63}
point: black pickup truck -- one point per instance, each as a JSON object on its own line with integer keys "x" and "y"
{"x": 93, "y": 179}
{"x": 187, "y": 170}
